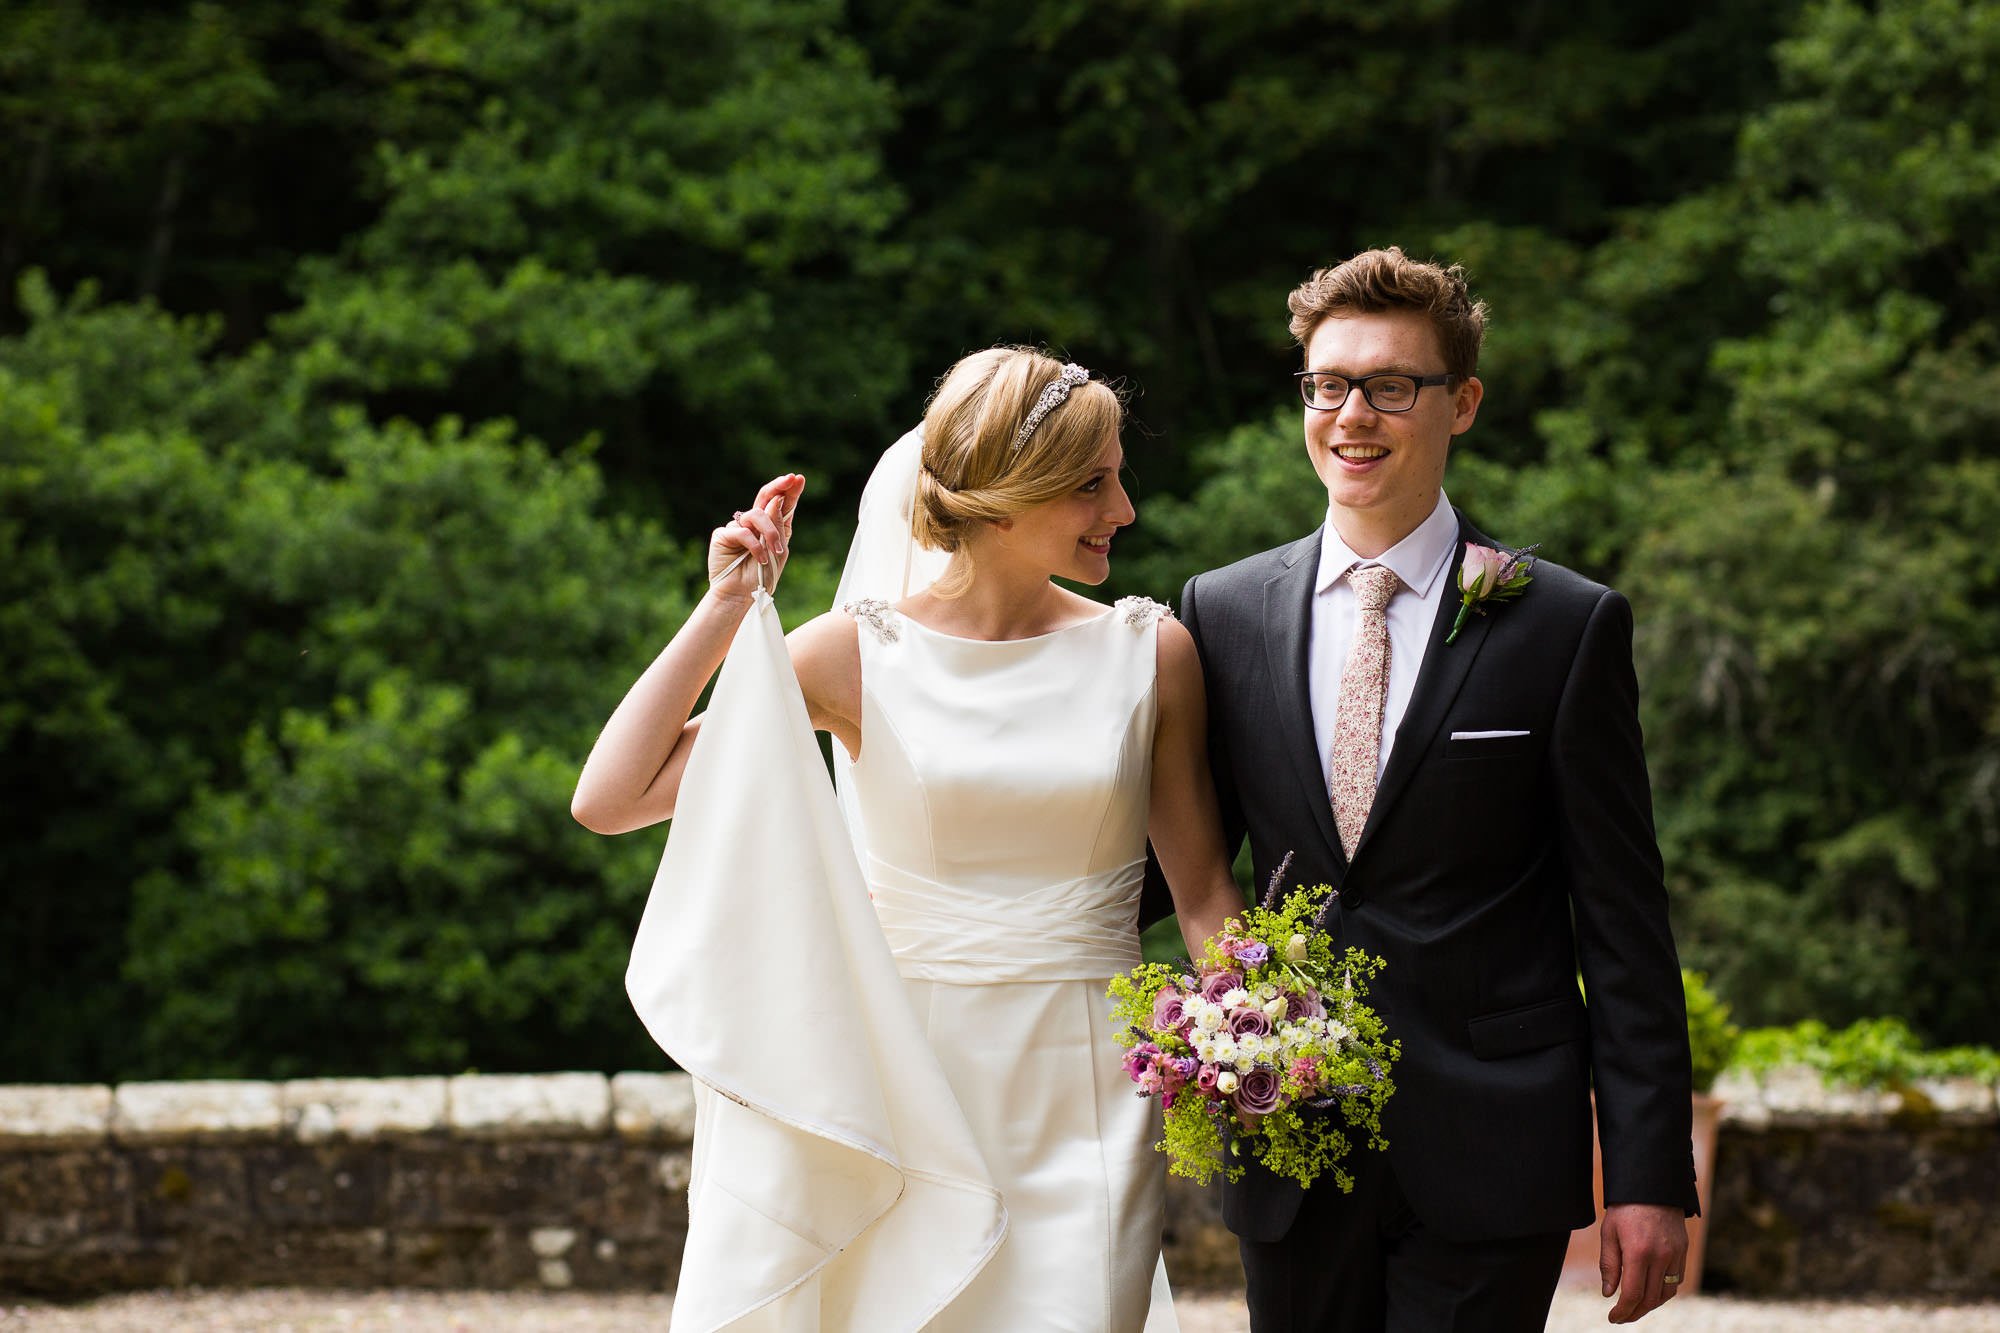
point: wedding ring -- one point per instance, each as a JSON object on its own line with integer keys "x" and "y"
{"x": 1671, "y": 1279}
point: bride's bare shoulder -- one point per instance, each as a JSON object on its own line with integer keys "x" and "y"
{"x": 830, "y": 640}
{"x": 826, "y": 655}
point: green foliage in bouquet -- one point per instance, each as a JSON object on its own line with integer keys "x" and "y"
{"x": 1264, "y": 1049}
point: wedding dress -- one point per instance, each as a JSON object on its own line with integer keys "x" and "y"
{"x": 910, "y": 1110}
{"x": 1003, "y": 789}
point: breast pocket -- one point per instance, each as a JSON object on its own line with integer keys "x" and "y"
{"x": 1497, "y": 755}
{"x": 1489, "y": 743}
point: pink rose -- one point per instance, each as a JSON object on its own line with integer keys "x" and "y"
{"x": 1257, "y": 1092}
{"x": 1168, "y": 1012}
{"x": 1483, "y": 571}
{"x": 1204, "y": 1078}
{"x": 1247, "y": 1022}
{"x": 1487, "y": 575}
{"x": 1139, "y": 1061}
{"x": 1218, "y": 984}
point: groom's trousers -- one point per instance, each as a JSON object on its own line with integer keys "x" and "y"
{"x": 1363, "y": 1263}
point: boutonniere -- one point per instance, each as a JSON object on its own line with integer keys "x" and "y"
{"x": 1489, "y": 575}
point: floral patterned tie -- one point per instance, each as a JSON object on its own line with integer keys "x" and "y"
{"x": 1364, "y": 690}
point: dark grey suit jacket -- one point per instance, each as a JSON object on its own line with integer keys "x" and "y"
{"x": 1489, "y": 872}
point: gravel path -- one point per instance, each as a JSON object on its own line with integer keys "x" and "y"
{"x": 293, "y": 1311}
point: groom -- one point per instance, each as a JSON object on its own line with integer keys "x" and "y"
{"x": 1482, "y": 807}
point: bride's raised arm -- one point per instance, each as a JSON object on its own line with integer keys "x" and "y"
{"x": 633, "y": 775}
{"x": 1184, "y": 823}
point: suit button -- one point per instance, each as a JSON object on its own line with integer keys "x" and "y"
{"x": 1349, "y": 899}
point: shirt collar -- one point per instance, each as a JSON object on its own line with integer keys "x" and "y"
{"x": 1418, "y": 560}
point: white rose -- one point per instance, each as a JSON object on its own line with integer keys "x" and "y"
{"x": 1274, "y": 1009}
{"x": 1295, "y": 949}
{"x": 1225, "y": 1082}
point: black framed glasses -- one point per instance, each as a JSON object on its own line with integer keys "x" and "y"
{"x": 1391, "y": 392}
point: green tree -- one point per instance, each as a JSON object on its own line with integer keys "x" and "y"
{"x": 658, "y": 224}
{"x": 1825, "y": 669}
{"x": 191, "y": 153}
{"x": 295, "y": 728}
{"x": 1143, "y": 183}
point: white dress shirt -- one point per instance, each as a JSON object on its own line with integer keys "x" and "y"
{"x": 1420, "y": 561}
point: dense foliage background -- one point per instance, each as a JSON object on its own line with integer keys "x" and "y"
{"x": 371, "y": 373}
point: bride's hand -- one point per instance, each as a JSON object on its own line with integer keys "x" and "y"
{"x": 758, "y": 540}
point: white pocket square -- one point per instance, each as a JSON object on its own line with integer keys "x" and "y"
{"x": 1484, "y": 735}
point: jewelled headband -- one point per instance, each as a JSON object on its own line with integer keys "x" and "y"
{"x": 1052, "y": 397}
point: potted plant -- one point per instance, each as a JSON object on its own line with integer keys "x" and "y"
{"x": 1712, "y": 1041}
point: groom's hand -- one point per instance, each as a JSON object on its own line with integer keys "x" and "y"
{"x": 1641, "y": 1245}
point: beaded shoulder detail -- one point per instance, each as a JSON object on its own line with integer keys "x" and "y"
{"x": 1141, "y": 612}
{"x": 881, "y": 620}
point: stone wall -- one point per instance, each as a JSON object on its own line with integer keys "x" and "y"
{"x": 479, "y": 1181}
{"x": 1821, "y": 1192}
{"x": 576, "y": 1180}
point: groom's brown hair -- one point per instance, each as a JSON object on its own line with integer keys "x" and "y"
{"x": 1376, "y": 281}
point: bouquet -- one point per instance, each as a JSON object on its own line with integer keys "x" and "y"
{"x": 1262, "y": 1047}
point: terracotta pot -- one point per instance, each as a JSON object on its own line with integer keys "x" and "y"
{"x": 1580, "y": 1263}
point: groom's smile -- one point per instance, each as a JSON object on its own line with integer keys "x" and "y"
{"x": 1360, "y": 453}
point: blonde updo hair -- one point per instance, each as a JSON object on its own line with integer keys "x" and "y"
{"x": 972, "y": 472}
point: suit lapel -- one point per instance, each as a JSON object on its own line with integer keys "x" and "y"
{"x": 1445, "y": 669}
{"x": 1288, "y": 602}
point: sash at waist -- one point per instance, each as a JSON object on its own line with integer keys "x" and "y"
{"x": 1080, "y": 929}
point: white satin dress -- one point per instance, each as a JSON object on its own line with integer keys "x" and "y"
{"x": 1003, "y": 790}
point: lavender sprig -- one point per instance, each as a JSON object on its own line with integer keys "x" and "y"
{"x": 1277, "y": 878}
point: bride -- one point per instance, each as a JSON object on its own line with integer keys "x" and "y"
{"x": 1009, "y": 749}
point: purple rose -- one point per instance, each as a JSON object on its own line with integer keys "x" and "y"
{"x": 1252, "y": 953}
{"x": 1299, "y": 1006}
{"x": 1218, "y": 984}
{"x": 1248, "y": 1022}
{"x": 1168, "y": 1012}
{"x": 1257, "y": 1092}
